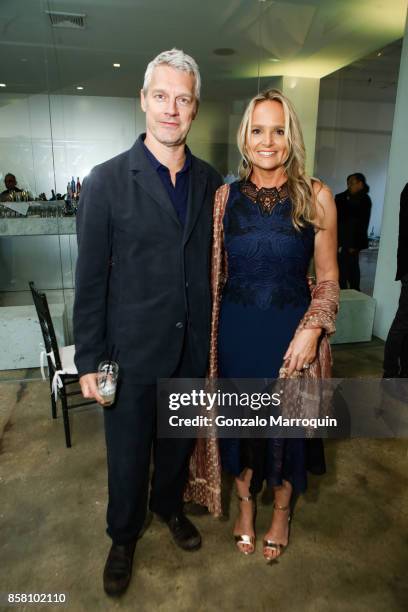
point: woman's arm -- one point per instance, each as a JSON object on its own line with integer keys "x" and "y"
{"x": 303, "y": 348}
{"x": 325, "y": 250}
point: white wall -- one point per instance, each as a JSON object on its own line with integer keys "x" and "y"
{"x": 355, "y": 137}
{"x": 89, "y": 130}
{"x": 208, "y": 138}
{"x": 304, "y": 95}
{"x": 67, "y": 133}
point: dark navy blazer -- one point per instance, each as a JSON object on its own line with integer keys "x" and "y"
{"x": 142, "y": 279}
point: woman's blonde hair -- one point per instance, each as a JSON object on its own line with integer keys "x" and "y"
{"x": 299, "y": 183}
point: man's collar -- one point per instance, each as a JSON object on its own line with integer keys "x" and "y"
{"x": 157, "y": 165}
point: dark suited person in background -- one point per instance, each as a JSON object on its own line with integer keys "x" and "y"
{"x": 396, "y": 346}
{"x": 10, "y": 182}
{"x": 353, "y": 217}
{"x": 143, "y": 296}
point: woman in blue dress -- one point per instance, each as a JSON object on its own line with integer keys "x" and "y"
{"x": 274, "y": 221}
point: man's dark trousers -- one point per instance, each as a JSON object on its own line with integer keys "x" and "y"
{"x": 130, "y": 431}
{"x": 396, "y": 346}
{"x": 349, "y": 269}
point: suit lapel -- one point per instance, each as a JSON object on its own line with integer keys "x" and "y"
{"x": 146, "y": 177}
{"x": 196, "y": 192}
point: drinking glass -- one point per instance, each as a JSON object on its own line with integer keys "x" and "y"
{"x": 107, "y": 378}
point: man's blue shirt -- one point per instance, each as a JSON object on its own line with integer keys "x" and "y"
{"x": 178, "y": 193}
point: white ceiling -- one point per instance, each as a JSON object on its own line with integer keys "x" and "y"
{"x": 373, "y": 78}
{"x": 309, "y": 38}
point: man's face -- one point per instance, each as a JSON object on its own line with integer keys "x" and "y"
{"x": 354, "y": 185}
{"x": 10, "y": 181}
{"x": 170, "y": 105}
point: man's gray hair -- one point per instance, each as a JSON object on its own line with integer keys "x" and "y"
{"x": 176, "y": 59}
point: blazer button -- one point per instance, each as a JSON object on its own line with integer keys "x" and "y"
{"x": 179, "y": 325}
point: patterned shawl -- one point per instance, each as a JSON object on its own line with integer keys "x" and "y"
{"x": 204, "y": 483}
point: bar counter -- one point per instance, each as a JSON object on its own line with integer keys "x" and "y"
{"x": 48, "y": 221}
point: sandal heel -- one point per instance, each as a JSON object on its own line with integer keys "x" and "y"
{"x": 243, "y": 538}
{"x": 271, "y": 545}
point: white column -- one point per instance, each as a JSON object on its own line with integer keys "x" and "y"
{"x": 386, "y": 290}
{"x": 304, "y": 94}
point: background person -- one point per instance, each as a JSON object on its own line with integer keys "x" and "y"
{"x": 353, "y": 217}
{"x": 10, "y": 182}
{"x": 396, "y": 346}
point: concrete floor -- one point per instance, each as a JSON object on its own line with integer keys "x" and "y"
{"x": 348, "y": 549}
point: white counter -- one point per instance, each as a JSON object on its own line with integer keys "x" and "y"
{"x": 37, "y": 226}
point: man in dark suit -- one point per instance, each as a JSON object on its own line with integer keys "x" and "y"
{"x": 396, "y": 346}
{"x": 143, "y": 297}
{"x": 353, "y": 216}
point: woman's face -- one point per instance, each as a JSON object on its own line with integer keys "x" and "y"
{"x": 267, "y": 145}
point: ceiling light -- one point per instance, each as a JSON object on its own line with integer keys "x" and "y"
{"x": 116, "y": 65}
{"x": 2, "y": 85}
{"x": 24, "y": 59}
{"x": 79, "y": 87}
{"x": 273, "y": 59}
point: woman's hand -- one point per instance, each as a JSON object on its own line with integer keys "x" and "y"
{"x": 302, "y": 350}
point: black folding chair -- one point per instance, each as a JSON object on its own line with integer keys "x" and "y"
{"x": 61, "y": 367}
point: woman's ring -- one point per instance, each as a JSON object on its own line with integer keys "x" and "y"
{"x": 306, "y": 366}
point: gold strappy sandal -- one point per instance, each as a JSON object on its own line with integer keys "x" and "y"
{"x": 243, "y": 538}
{"x": 274, "y": 546}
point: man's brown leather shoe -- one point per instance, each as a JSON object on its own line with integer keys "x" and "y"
{"x": 118, "y": 568}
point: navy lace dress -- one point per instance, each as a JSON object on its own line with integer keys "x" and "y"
{"x": 263, "y": 301}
